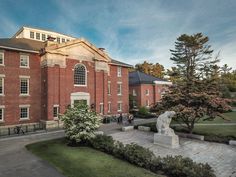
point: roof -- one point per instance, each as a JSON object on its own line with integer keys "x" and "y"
{"x": 137, "y": 77}
{"x": 115, "y": 62}
{"x": 41, "y": 29}
{"x": 21, "y": 44}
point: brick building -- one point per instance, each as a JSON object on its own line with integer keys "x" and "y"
{"x": 145, "y": 89}
{"x": 39, "y": 78}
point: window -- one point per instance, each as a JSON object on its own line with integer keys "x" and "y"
{"x": 24, "y": 112}
{"x": 109, "y": 107}
{"x": 119, "y": 105}
{"x": 80, "y": 75}
{"x": 119, "y": 88}
{"x": 134, "y": 104}
{"x": 31, "y": 34}
{"x": 1, "y": 85}
{"x": 109, "y": 88}
{"x": 67, "y": 40}
{"x": 101, "y": 108}
{"x": 55, "y": 111}
{"x": 134, "y": 92}
{"x": 118, "y": 71}
{"x": 147, "y": 103}
{"x": 24, "y": 86}
{"x": 147, "y": 92}
{"x": 1, "y": 58}
{"x": 63, "y": 40}
{"x": 38, "y": 36}
{"x": 24, "y": 61}
{"x": 1, "y": 113}
{"x": 43, "y": 37}
{"x": 58, "y": 40}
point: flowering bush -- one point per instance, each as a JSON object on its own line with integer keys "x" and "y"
{"x": 80, "y": 123}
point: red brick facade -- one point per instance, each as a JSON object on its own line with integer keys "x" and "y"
{"x": 146, "y": 94}
{"x": 54, "y": 85}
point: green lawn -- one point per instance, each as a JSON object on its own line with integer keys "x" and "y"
{"x": 84, "y": 161}
{"x": 225, "y": 130}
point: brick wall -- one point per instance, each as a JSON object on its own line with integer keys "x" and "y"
{"x": 12, "y": 98}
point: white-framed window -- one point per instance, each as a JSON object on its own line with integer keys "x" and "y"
{"x": 134, "y": 92}
{"x": 63, "y": 40}
{"x": 24, "y": 85}
{"x": 24, "y": 61}
{"x": 38, "y": 36}
{"x": 2, "y": 84}
{"x": 1, "y": 58}
{"x": 147, "y": 92}
{"x": 44, "y": 37}
{"x": 119, "y": 106}
{"x": 109, "y": 88}
{"x": 109, "y": 107}
{"x": 119, "y": 71}
{"x": 119, "y": 88}
{"x": 2, "y": 113}
{"x": 55, "y": 111}
{"x": 80, "y": 75}
{"x": 24, "y": 112}
{"x": 147, "y": 103}
{"x": 31, "y": 34}
{"x": 58, "y": 40}
{"x": 101, "y": 108}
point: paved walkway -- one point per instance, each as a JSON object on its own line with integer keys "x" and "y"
{"x": 220, "y": 156}
{"x": 16, "y": 161}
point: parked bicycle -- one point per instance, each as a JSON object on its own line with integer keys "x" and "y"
{"x": 18, "y": 130}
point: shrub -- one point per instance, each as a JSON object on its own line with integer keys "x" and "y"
{"x": 119, "y": 150}
{"x": 103, "y": 143}
{"x": 143, "y": 111}
{"x": 80, "y": 123}
{"x": 185, "y": 167}
{"x": 138, "y": 155}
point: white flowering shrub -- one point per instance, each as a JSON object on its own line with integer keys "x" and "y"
{"x": 80, "y": 123}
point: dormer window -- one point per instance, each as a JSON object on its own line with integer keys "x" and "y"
{"x": 38, "y": 36}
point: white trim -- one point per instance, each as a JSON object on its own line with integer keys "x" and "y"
{"x": 24, "y": 105}
{"x": 109, "y": 107}
{"x": 162, "y": 82}
{"x": 24, "y": 77}
{"x": 2, "y": 75}
{"x": 28, "y": 111}
{"x": 28, "y": 87}
{"x": 23, "y": 50}
{"x": 86, "y": 75}
{"x": 3, "y": 58}
{"x": 27, "y": 59}
{"x": 120, "y": 85}
{"x": 79, "y": 96}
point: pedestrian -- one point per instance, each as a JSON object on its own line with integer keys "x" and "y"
{"x": 120, "y": 119}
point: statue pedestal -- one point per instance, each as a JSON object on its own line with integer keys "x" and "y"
{"x": 170, "y": 141}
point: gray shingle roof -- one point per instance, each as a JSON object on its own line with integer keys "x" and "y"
{"x": 115, "y": 62}
{"x": 137, "y": 77}
{"x": 21, "y": 43}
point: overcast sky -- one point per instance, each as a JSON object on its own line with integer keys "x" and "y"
{"x": 131, "y": 30}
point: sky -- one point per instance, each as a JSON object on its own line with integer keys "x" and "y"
{"x": 130, "y": 30}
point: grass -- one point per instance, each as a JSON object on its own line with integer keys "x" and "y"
{"x": 85, "y": 161}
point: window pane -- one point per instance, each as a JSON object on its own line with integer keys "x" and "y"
{"x": 23, "y": 113}
{"x": 1, "y": 114}
{"x": 55, "y": 111}
{"x": 58, "y": 40}
{"x": 24, "y": 86}
{"x": 38, "y": 36}
{"x": 43, "y": 37}
{"x": 63, "y": 40}
{"x": 80, "y": 75}
{"x": 1, "y": 85}
{"x": 31, "y": 34}
{"x": 1, "y": 58}
{"x": 24, "y": 60}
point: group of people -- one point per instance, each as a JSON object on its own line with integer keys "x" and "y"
{"x": 130, "y": 118}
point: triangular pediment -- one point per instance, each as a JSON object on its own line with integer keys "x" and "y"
{"x": 79, "y": 49}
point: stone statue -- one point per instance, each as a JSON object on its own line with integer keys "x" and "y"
{"x": 166, "y": 136}
{"x": 163, "y": 123}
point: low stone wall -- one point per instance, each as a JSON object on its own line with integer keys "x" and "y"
{"x": 192, "y": 136}
{"x": 144, "y": 128}
{"x": 232, "y": 142}
{"x": 127, "y": 128}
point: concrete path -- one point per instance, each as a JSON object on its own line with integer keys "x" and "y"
{"x": 220, "y": 156}
{"x": 16, "y": 161}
